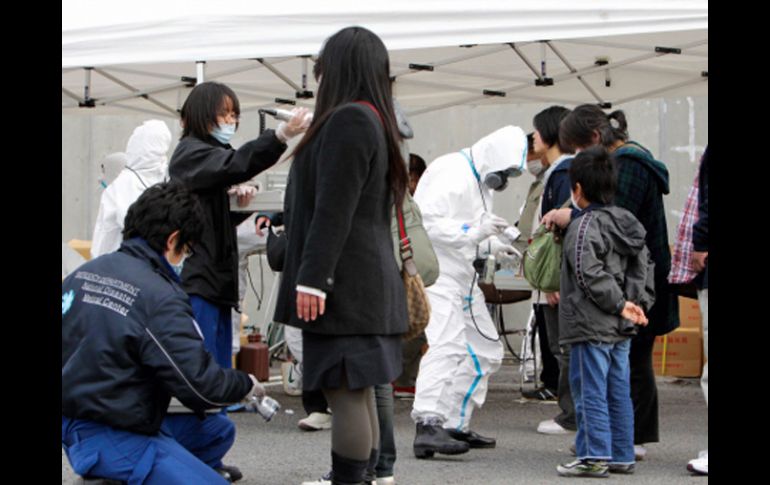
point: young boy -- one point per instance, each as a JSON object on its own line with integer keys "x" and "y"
{"x": 606, "y": 286}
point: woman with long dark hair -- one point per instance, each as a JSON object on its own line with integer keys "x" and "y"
{"x": 340, "y": 283}
{"x": 642, "y": 183}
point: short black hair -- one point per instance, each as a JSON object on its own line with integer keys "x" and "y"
{"x": 162, "y": 209}
{"x": 594, "y": 169}
{"x": 203, "y": 104}
{"x": 547, "y": 123}
{"x": 416, "y": 164}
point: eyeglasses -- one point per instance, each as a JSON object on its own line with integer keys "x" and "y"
{"x": 230, "y": 115}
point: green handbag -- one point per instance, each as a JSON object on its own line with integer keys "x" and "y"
{"x": 542, "y": 260}
{"x": 422, "y": 249}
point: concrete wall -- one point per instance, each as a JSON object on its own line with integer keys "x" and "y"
{"x": 674, "y": 129}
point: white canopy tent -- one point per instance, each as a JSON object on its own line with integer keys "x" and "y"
{"x": 146, "y": 55}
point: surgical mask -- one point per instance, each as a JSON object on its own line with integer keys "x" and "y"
{"x": 177, "y": 267}
{"x": 535, "y": 167}
{"x": 223, "y": 133}
{"x": 574, "y": 202}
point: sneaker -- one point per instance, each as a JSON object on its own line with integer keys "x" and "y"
{"x": 539, "y": 394}
{"x": 385, "y": 481}
{"x": 403, "y": 392}
{"x": 622, "y": 468}
{"x": 229, "y": 473}
{"x": 584, "y": 468}
{"x": 316, "y": 422}
{"x": 551, "y": 427}
{"x": 700, "y": 465}
{"x": 292, "y": 379}
{"x": 639, "y": 452}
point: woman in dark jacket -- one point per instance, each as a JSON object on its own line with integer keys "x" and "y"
{"x": 340, "y": 284}
{"x": 642, "y": 183}
{"x": 205, "y": 162}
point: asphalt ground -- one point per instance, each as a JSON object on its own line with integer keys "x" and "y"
{"x": 280, "y": 453}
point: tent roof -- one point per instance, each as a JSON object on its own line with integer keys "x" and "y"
{"x": 443, "y": 53}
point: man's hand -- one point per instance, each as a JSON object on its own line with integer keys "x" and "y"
{"x": 257, "y": 390}
{"x": 309, "y": 307}
{"x": 552, "y": 298}
{"x": 559, "y": 217}
{"x": 698, "y": 260}
{"x": 490, "y": 225}
{"x": 244, "y": 194}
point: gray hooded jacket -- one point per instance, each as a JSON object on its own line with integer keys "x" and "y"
{"x": 604, "y": 264}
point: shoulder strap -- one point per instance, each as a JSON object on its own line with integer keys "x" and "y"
{"x": 137, "y": 176}
{"x": 371, "y": 106}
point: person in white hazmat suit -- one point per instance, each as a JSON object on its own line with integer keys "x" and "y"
{"x": 455, "y": 198}
{"x": 146, "y": 165}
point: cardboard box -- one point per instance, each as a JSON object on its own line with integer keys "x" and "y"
{"x": 82, "y": 247}
{"x": 689, "y": 314}
{"x": 683, "y": 353}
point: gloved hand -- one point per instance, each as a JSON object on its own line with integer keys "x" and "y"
{"x": 244, "y": 193}
{"x": 257, "y": 391}
{"x": 296, "y": 125}
{"x": 502, "y": 251}
{"x": 490, "y": 225}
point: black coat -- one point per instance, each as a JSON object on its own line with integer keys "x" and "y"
{"x": 209, "y": 169}
{"x": 129, "y": 343}
{"x": 337, "y": 217}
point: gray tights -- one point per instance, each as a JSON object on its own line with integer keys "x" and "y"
{"x": 355, "y": 428}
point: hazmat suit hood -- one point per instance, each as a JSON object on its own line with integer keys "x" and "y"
{"x": 148, "y": 146}
{"x": 500, "y": 150}
{"x": 111, "y": 166}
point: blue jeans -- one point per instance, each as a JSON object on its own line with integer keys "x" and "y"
{"x": 98, "y": 450}
{"x": 599, "y": 375}
{"x": 216, "y": 324}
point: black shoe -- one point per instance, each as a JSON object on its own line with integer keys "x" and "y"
{"x": 229, "y": 473}
{"x": 539, "y": 394}
{"x": 474, "y": 439}
{"x": 432, "y": 438}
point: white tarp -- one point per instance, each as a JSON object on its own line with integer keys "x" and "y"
{"x": 144, "y": 47}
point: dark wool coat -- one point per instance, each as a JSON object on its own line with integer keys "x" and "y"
{"x": 337, "y": 218}
{"x": 642, "y": 183}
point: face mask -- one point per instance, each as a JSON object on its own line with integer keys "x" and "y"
{"x": 574, "y": 202}
{"x": 496, "y": 180}
{"x": 535, "y": 167}
{"x": 223, "y": 133}
{"x": 178, "y": 267}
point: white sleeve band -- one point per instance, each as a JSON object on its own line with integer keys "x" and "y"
{"x": 312, "y": 291}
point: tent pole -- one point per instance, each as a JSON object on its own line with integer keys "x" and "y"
{"x": 572, "y": 69}
{"x": 132, "y": 88}
{"x": 200, "y": 72}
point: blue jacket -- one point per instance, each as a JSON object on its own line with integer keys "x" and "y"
{"x": 557, "y": 190}
{"x": 129, "y": 343}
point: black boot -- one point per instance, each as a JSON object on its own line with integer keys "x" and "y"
{"x": 347, "y": 471}
{"x": 432, "y": 438}
{"x": 474, "y": 439}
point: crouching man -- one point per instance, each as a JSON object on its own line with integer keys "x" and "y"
{"x": 130, "y": 343}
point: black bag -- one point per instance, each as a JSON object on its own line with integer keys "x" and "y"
{"x": 276, "y": 249}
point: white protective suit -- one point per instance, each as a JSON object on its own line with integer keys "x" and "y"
{"x": 146, "y": 165}
{"x": 454, "y": 372}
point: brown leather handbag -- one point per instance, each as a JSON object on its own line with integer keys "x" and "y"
{"x": 417, "y": 303}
